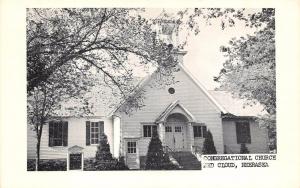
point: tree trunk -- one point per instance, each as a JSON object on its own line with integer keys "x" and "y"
{"x": 38, "y": 145}
{"x": 38, "y": 155}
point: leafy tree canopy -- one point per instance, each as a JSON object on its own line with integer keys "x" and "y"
{"x": 249, "y": 70}
{"x": 105, "y": 39}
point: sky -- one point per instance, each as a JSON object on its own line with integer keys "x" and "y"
{"x": 204, "y": 58}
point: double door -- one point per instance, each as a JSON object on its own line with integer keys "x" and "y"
{"x": 175, "y": 135}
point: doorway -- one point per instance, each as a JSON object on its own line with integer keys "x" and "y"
{"x": 175, "y": 132}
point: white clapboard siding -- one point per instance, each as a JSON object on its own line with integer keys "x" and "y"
{"x": 31, "y": 143}
{"x": 199, "y": 143}
{"x": 156, "y": 101}
{"x": 143, "y": 146}
{"x": 259, "y": 138}
{"x": 132, "y": 161}
{"x": 76, "y": 136}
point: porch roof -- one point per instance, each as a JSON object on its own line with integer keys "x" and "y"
{"x": 75, "y": 149}
{"x": 169, "y": 110}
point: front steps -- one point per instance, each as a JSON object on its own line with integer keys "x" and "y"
{"x": 186, "y": 160}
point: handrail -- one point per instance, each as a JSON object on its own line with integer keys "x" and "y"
{"x": 197, "y": 152}
{"x": 196, "y": 149}
{"x": 167, "y": 149}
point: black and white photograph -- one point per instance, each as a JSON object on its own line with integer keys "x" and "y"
{"x": 148, "y": 89}
{"x": 149, "y": 93}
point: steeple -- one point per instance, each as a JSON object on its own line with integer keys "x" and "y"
{"x": 167, "y": 28}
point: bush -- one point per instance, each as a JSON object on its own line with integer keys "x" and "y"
{"x": 157, "y": 159}
{"x": 104, "y": 159}
{"x": 89, "y": 164}
{"x": 53, "y": 165}
{"x": 208, "y": 145}
{"x": 121, "y": 164}
{"x": 31, "y": 165}
{"x": 244, "y": 149}
{"x": 103, "y": 150}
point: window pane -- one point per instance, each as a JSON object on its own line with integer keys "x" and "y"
{"x": 199, "y": 131}
{"x": 177, "y": 129}
{"x": 94, "y": 134}
{"x": 243, "y": 132}
{"x": 131, "y": 147}
{"x": 57, "y": 129}
{"x": 147, "y": 131}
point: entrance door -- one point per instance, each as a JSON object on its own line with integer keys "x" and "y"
{"x": 175, "y": 132}
{"x": 75, "y": 161}
{"x": 178, "y": 137}
{"x": 169, "y": 136}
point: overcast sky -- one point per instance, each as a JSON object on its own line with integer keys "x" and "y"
{"x": 203, "y": 57}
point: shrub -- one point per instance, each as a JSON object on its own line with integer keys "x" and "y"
{"x": 208, "y": 145}
{"x": 157, "y": 159}
{"x": 244, "y": 149}
{"x": 104, "y": 159}
{"x": 103, "y": 150}
{"x": 31, "y": 165}
{"x": 53, "y": 165}
{"x": 89, "y": 164}
{"x": 121, "y": 164}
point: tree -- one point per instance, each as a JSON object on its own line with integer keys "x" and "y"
{"x": 157, "y": 159}
{"x": 106, "y": 39}
{"x": 66, "y": 44}
{"x": 208, "y": 145}
{"x": 244, "y": 149}
{"x": 104, "y": 159}
{"x": 249, "y": 70}
{"x": 45, "y": 100}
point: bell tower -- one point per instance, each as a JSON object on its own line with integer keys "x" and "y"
{"x": 167, "y": 28}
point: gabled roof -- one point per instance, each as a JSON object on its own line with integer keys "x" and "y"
{"x": 142, "y": 83}
{"x": 196, "y": 81}
{"x": 224, "y": 102}
{"x": 170, "y": 108}
{"x": 75, "y": 149}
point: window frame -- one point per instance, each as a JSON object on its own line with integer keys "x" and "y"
{"x": 240, "y": 139}
{"x": 202, "y": 127}
{"x": 130, "y": 147}
{"x": 168, "y": 129}
{"x": 57, "y": 124}
{"x": 177, "y": 129}
{"x": 93, "y": 123}
{"x": 149, "y": 134}
{"x": 171, "y": 90}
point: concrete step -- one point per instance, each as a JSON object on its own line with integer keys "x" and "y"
{"x": 187, "y": 160}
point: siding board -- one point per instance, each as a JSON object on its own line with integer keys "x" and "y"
{"x": 76, "y": 136}
{"x": 156, "y": 100}
{"x": 259, "y": 138}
